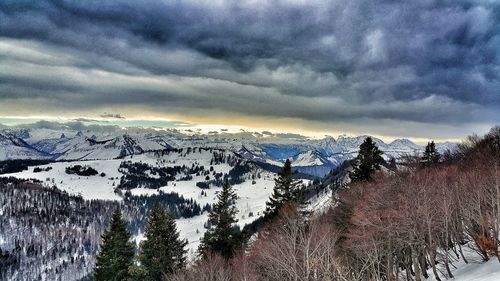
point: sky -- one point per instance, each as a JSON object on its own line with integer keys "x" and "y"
{"x": 416, "y": 69}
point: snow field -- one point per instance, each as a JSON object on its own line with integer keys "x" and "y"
{"x": 251, "y": 197}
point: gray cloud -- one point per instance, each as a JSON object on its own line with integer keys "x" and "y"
{"x": 111, "y": 115}
{"x": 343, "y": 62}
{"x": 87, "y": 120}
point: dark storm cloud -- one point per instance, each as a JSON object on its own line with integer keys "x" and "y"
{"x": 322, "y": 61}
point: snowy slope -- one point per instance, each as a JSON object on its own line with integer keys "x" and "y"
{"x": 309, "y": 158}
{"x": 84, "y": 148}
{"x": 103, "y": 149}
{"x": 92, "y": 187}
{"x": 251, "y": 199}
{"x": 251, "y": 196}
{"x": 445, "y": 146}
{"x": 475, "y": 270}
{"x": 60, "y": 145}
{"x": 404, "y": 145}
{"x": 12, "y": 147}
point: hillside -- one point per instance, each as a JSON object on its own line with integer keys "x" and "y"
{"x": 412, "y": 220}
{"x": 193, "y": 173}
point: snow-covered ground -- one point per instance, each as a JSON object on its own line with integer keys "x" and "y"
{"x": 91, "y": 187}
{"x": 321, "y": 202}
{"x": 475, "y": 270}
{"x": 251, "y": 200}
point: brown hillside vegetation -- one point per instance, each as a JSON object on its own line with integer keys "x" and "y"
{"x": 395, "y": 227}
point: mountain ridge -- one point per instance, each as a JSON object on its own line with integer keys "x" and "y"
{"x": 313, "y": 156}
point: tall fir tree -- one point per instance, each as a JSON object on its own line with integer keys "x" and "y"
{"x": 223, "y": 236}
{"x": 431, "y": 155}
{"x": 162, "y": 252}
{"x": 286, "y": 189}
{"x": 117, "y": 252}
{"x": 367, "y": 162}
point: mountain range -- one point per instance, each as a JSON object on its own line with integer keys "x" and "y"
{"x": 316, "y": 157}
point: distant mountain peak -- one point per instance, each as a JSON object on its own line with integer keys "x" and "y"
{"x": 309, "y": 158}
{"x": 404, "y": 143}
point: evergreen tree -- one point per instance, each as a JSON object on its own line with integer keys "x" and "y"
{"x": 430, "y": 154}
{"x": 223, "y": 236}
{"x": 137, "y": 273}
{"x": 286, "y": 189}
{"x": 367, "y": 162}
{"x": 392, "y": 164}
{"x": 117, "y": 252}
{"x": 163, "y": 251}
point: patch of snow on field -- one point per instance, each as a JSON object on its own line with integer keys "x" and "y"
{"x": 320, "y": 203}
{"x": 251, "y": 199}
{"x": 475, "y": 270}
{"x": 91, "y": 187}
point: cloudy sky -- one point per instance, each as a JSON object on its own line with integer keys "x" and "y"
{"x": 416, "y": 68}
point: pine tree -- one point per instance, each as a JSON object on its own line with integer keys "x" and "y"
{"x": 223, "y": 236}
{"x": 286, "y": 189}
{"x": 137, "y": 273}
{"x": 117, "y": 252}
{"x": 367, "y": 162}
{"x": 392, "y": 164}
{"x": 430, "y": 154}
{"x": 163, "y": 251}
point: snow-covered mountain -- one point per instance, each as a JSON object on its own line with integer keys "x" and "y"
{"x": 117, "y": 147}
{"x": 312, "y": 162}
{"x": 309, "y": 158}
{"x": 12, "y": 147}
{"x": 312, "y": 156}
